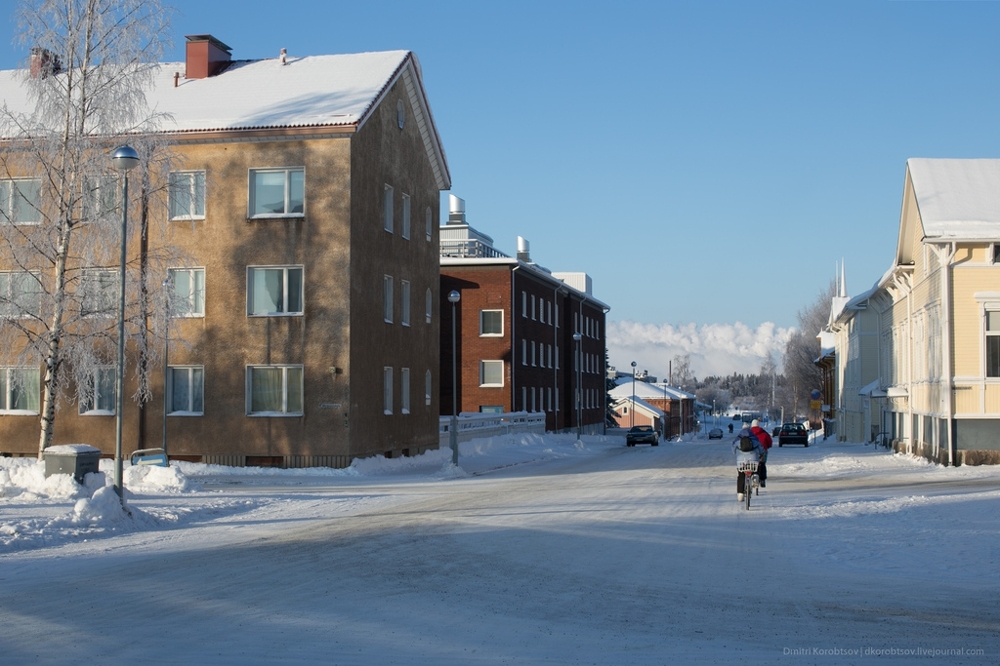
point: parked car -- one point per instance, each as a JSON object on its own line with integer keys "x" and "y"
{"x": 715, "y": 433}
{"x": 642, "y": 434}
{"x": 793, "y": 433}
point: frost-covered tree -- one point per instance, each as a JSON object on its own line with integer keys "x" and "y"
{"x": 802, "y": 350}
{"x": 81, "y": 95}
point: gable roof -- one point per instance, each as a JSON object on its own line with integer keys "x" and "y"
{"x": 640, "y": 405}
{"x": 337, "y": 93}
{"x": 957, "y": 199}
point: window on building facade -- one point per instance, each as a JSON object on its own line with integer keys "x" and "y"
{"x": 387, "y": 298}
{"x": 491, "y": 322}
{"x": 186, "y": 390}
{"x": 188, "y": 294}
{"x": 428, "y": 383}
{"x": 20, "y": 201}
{"x": 429, "y": 223}
{"x": 98, "y": 292}
{"x": 404, "y": 390}
{"x": 99, "y": 392}
{"x": 533, "y": 354}
{"x": 405, "y": 232}
{"x": 274, "y": 291}
{"x": 19, "y": 390}
{"x": 100, "y": 197}
{"x": 532, "y": 306}
{"x": 428, "y": 305}
{"x": 387, "y": 216}
{"x": 524, "y": 304}
{"x": 274, "y": 390}
{"x": 533, "y": 404}
{"x": 491, "y": 373}
{"x": 187, "y": 195}
{"x": 387, "y": 390}
{"x": 20, "y": 295}
{"x": 993, "y": 343}
{"x": 524, "y": 352}
{"x": 404, "y": 302}
{"x": 277, "y": 192}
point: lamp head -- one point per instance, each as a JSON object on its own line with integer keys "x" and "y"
{"x": 125, "y": 158}
{"x": 454, "y": 296}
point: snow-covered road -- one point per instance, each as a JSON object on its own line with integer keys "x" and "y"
{"x": 603, "y": 555}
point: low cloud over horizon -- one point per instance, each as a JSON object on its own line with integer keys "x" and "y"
{"x": 715, "y": 349}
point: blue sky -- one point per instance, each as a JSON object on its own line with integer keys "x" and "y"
{"x": 707, "y": 163}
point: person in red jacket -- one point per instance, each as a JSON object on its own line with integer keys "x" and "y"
{"x": 765, "y": 443}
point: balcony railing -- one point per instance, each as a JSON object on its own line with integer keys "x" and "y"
{"x": 470, "y": 248}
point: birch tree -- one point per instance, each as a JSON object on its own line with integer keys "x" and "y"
{"x": 81, "y": 95}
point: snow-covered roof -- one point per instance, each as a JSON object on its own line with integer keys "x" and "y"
{"x": 957, "y": 198}
{"x": 647, "y": 390}
{"x": 333, "y": 91}
{"x": 640, "y": 404}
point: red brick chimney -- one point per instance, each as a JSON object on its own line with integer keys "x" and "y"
{"x": 206, "y": 56}
{"x": 44, "y": 63}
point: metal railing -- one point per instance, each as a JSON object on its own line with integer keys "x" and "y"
{"x": 470, "y": 248}
{"x": 475, "y": 426}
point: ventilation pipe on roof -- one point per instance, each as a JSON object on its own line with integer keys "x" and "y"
{"x": 456, "y": 210}
{"x": 523, "y": 250}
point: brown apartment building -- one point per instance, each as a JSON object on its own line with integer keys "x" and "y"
{"x": 515, "y": 324}
{"x": 307, "y": 199}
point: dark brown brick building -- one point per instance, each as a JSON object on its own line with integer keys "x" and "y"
{"x": 515, "y": 324}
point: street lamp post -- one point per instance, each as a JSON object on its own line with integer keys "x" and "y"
{"x": 579, "y": 384}
{"x": 168, "y": 283}
{"x": 124, "y": 159}
{"x": 453, "y": 298}
{"x": 631, "y": 413}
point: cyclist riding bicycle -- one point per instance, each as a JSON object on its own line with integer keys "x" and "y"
{"x": 747, "y": 449}
{"x": 765, "y": 443}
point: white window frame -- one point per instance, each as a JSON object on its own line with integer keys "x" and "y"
{"x": 14, "y": 295}
{"x": 194, "y": 396}
{"x": 286, "y": 409}
{"x": 105, "y": 291}
{"x": 100, "y": 197}
{"x": 190, "y": 184}
{"x": 404, "y": 390}
{"x": 194, "y": 297}
{"x": 405, "y": 231}
{"x": 387, "y": 390}
{"x": 482, "y": 327}
{"x": 387, "y": 299}
{"x": 388, "y": 223}
{"x": 483, "y": 365}
{"x": 404, "y": 302}
{"x": 288, "y": 202}
{"x": 10, "y": 210}
{"x": 106, "y": 372}
{"x": 29, "y": 383}
{"x": 252, "y": 270}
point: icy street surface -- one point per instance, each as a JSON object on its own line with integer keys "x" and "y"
{"x": 536, "y": 550}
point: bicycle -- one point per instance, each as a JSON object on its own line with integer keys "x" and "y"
{"x": 751, "y": 481}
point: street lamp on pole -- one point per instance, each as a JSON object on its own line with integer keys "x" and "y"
{"x": 631, "y": 413}
{"x": 124, "y": 159}
{"x": 579, "y": 384}
{"x": 453, "y": 298}
{"x": 168, "y": 284}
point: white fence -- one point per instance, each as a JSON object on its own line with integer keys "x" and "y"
{"x": 473, "y": 426}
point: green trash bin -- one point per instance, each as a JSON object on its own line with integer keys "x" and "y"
{"x": 75, "y": 459}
